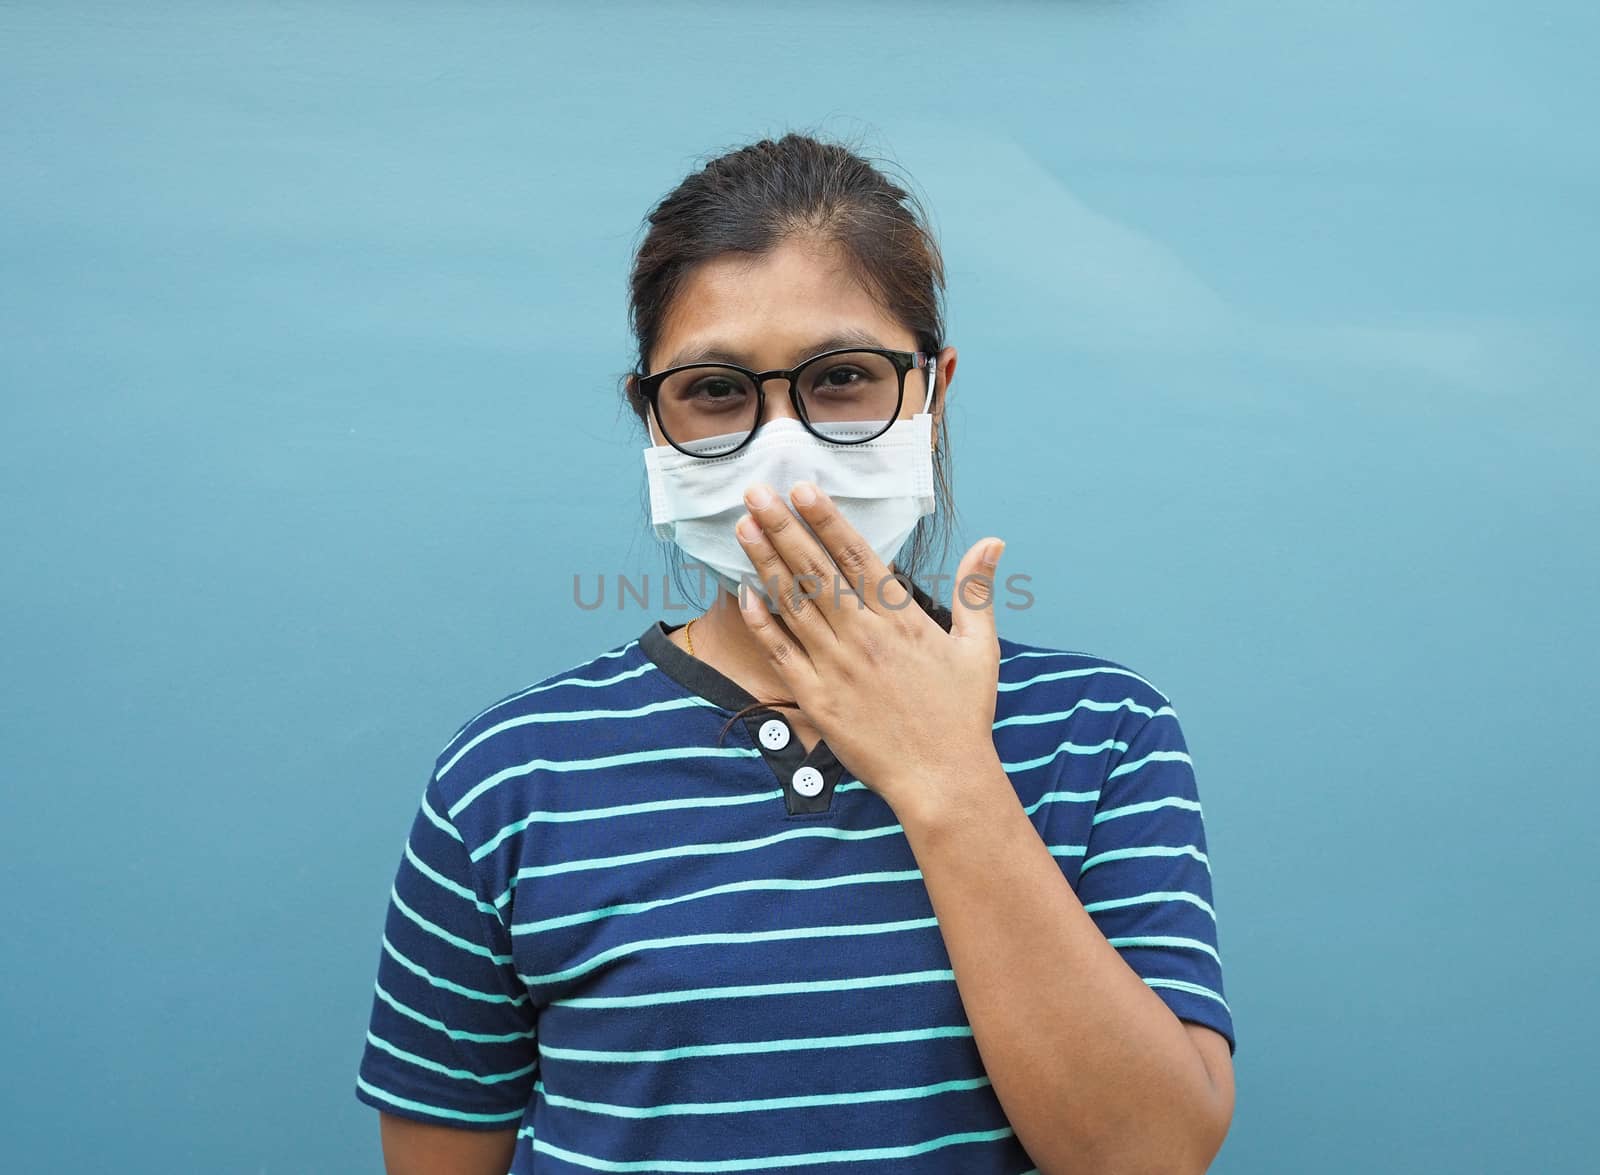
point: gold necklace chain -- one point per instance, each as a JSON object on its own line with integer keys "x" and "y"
{"x": 688, "y": 635}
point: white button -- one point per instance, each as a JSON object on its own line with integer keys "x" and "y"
{"x": 807, "y": 781}
{"x": 774, "y": 735}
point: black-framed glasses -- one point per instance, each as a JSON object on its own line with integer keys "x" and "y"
{"x": 845, "y": 397}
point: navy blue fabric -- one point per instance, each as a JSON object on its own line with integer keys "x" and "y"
{"x": 609, "y": 931}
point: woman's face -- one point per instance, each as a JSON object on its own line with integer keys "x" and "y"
{"x": 774, "y": 311}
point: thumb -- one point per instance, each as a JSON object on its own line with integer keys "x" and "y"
{"x": 972, "y": 597}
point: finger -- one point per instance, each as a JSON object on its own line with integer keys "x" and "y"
{"x": 791, "y": 590}
{"x": 864, "y": 574}
{"x": 972, "y": 597}
{"x": 855, "y": 563}
{"x": 799, "y": 551}
{"x": 793, "y": 663}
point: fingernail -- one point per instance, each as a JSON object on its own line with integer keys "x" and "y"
{"x": 992, "y": 555}
{"x": 804, "y": 493}
{"x": 748, "y": 530}
{"x": 759, "y": 497}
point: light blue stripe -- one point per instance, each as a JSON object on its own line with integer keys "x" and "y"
{"x": 758, "y": 884}
{"x": 693, "y": 802}
{"x": 677, "y": 1109}
{"x": 740, "y": 1048}
{"x": 444, "y": 935}
{"x": 1063, "y": 674}
{"x": 1152, "y": 757}
{"x": 740, "y": 991}
{"x": 452, "y": 1033}
{"x": 1191, "y": 988}
{"x": 735, "y": 937}
{"x": 1146, "y": 851}
{"x": 1051, "y": 797}
{"x": 489, "y": 709}
{"x": 1146, "y": 806}
{"x": 623, "y": 760}
{"x": 437, "y": 820}
{"x": 694, "y": 850}
{"x": 458, "y": 1074}
{"x": 693, "y": 701}
{"x": 771, "y": 1162}
{"x": 1067, "y": 850}
{"x": 1154, "y": 897}
{"x": 1086, "y": 704}
{"x": 472, "y": 994}
{"x": 697, "y": 802}
{"x": 1165, "y": 940}
{"x": 444, "y": 882}
{"x": 1049, "y": 653}
{"x": 406, "y": 1103}
{"x": 1068, "y": 748}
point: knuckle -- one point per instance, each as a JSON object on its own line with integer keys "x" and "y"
{"x": 794, "y": 603}
{"x": 853, "y": 555}
{"x": 976, "y": 591}
{"x": 801, "y": 593}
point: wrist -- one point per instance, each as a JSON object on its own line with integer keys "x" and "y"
{"x": 953, "y": 792}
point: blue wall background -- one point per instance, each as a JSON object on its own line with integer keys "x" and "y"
{"x": 1277, "y": 371}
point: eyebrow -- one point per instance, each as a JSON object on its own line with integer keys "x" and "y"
{"x": 715, "y": 352}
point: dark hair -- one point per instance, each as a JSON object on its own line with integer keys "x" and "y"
{"x": 752, "y": 200}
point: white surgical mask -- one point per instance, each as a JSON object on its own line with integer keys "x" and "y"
{"x": 881, "y": 487}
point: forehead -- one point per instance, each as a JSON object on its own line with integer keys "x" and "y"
{"x": 769, "y": 307}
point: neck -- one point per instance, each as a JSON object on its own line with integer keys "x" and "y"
{"x": 724, "y": 641}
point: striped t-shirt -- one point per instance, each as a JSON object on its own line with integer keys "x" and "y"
{"x": 648, "y": 947}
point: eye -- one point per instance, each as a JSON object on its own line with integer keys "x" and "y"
{"x": 716, "y": 387}
{"x": 842, "y": 378}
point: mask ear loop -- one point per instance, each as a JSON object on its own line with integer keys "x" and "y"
{"x": 930, "y": 371}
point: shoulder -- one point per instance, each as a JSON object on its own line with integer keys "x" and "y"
{"x": 1068, "y": 720}
{"x": 1034, "y": 674}
{"x": 537, "y": 718}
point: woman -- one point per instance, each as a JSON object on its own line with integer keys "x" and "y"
{"x": 940, "y": 903}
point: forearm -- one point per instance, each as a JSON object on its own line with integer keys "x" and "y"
{"x": 422, "y": 1148}
{"x": 1093, "y": 1070}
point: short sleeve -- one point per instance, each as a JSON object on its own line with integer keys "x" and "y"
{"x": 451, "y": 1038}
{"x": 1146, "y": 874}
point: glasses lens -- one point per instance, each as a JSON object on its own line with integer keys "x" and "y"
{"x": 707, "y": 409}
{"x": 851, "y": 396}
